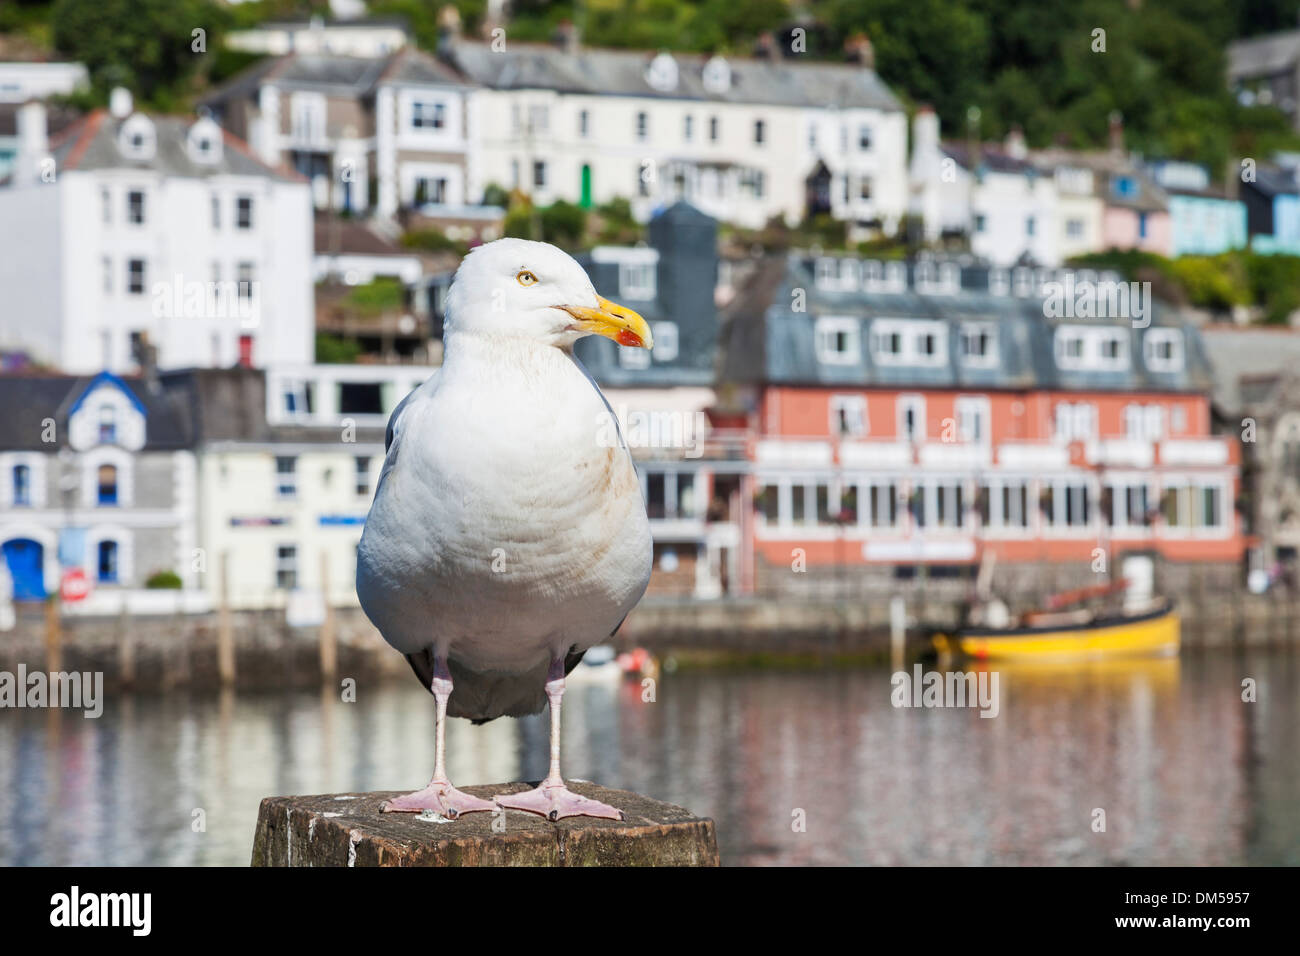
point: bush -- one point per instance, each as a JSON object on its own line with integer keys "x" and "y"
{"x": 331, "y": 349}
{"x": 164, "y": 580}
{"x": 382, "y": 294}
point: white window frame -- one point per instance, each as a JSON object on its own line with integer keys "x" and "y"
{"x": 972, "y": 330}
{"x": 1066, "y": 418}
{"x": 637, "y": 281}
{"x": 667, "y": 341}
{"x": 1154, "y": 339}
{"x": 855, "y": 407}
{"x": 1092, "y": 339}
{"x": 911, "y": 332}
{"x": 901, "y": 405}
{"x": 827, "y": 328}
{"x": 979, "y": 407}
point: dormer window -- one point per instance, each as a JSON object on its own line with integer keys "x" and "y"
{"x": 1090, "y": 348}
{"x": 138, "y": 139}
{"x": 837, "y": 340}
{"x": 662, "y": 73}
{"x": 915, "y": 342}
{"x": 717, "y": 75}
{"x": 1163, "y": 350}
{"x": 1125, "y": 187}
{"x": 978, "y": 344}
{"x": 203, "y": 141}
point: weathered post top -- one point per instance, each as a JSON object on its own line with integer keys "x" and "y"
{"x": 347, "y": 829}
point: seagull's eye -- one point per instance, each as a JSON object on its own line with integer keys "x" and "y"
{"x": 526, "y": 278}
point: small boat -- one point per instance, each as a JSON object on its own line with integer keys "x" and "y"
{"x": 1142, "y": 629}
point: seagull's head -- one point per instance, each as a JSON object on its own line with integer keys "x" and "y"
{"x": 532, "y": 289}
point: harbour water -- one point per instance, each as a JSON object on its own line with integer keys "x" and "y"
{"x": 807, "y": 767}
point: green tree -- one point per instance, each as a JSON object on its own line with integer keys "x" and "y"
{"x": 145, "y": 45}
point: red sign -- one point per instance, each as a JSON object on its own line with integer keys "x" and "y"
{"x": 74, "y": 586}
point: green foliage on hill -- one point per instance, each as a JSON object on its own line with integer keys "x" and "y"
{"x": 1032, "y": 63}
{"x": 1267, "y": 284}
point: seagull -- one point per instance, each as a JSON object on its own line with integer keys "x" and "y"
{"x": 508, "y": 533}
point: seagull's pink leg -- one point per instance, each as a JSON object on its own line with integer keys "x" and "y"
{"x": 553, "y": 799}
{"x": 439, "y": 796}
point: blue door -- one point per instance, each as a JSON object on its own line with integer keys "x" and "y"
{"x": 26, "y": 561}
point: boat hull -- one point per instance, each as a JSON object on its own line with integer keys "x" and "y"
{"x": 1155, "y": 634}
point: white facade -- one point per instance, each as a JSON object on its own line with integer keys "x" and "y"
{"x": 211, "y": 268}
{"x": 20, "y": 82}
{"x": 741, "y": 163}
{"x": 1009, "y": 208}
{"x": 279, "y": 516}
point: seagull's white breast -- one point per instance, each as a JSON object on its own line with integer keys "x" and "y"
{"x": 510, "y": 525}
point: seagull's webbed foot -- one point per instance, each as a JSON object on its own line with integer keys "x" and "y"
{"x": 441, "y": 798}
{"x": 555, "y": 801}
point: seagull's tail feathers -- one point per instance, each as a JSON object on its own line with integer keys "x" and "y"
{"x": 486, "y": 696}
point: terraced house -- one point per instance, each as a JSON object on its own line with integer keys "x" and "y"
{"x": 742, "y": 139}
{"x": 98, "y": 477}
{"x": 922, "y": 414}
{"x": 373, "y": 134}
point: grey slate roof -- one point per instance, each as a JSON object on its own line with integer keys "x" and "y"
{"x": 93, "y": 144}
{"x": 229, "y": 405}
{"x": 1265, "y": 55}
{"x": 623, "y": 73}
{"x": 764, "y": 341}
{"x": 30, "y": 399}
{"x": 990, "y": 157}
{"x": 1245, "y": 353}
{"x": 336, "y": 74}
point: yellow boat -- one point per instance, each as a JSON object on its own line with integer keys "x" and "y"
{"x": 1154, "y": 633}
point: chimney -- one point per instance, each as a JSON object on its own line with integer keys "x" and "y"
{"x": 33, "y": 143}
{"x": 765, "y": 47}
{"x": 925, "y": 131}
{"x": 858, "y": 49}
{"x": 566, "y": 36}
{"x": 1015, "y": 143}
{"x": 120, "y": 103}
{"x": 448, "y": 28}
{"x": 1116, "y": 134}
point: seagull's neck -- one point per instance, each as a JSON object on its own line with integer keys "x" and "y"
{"x": 471, "y": 349}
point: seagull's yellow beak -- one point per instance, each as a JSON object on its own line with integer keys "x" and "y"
{"x": 614, "y": 322}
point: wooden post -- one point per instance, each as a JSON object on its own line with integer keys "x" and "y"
{"x": 53, "y": 635}
{"x": 348, "y": 830}
{"x": 897, "y": 631}
{"x": 328, "y": 646}
{"x": 225, "y": 633}
{"x": 125, "y": 648}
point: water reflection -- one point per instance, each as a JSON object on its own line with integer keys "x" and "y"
{"x": 1184, "y": 770}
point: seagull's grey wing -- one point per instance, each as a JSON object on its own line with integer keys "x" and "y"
{"x": 392, "y": 436}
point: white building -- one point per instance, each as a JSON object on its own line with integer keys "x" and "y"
{"x": 98, "y": 478}
{"x": 1004, "y": 203}
{"x": 345, "y": 37}
{"x": 741, "y": 139}
{"x": 21, "y": 81}
{"x": 393, "y": 131}
{"x": 287, "y": 471}
{"x": 137, "y": 231}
